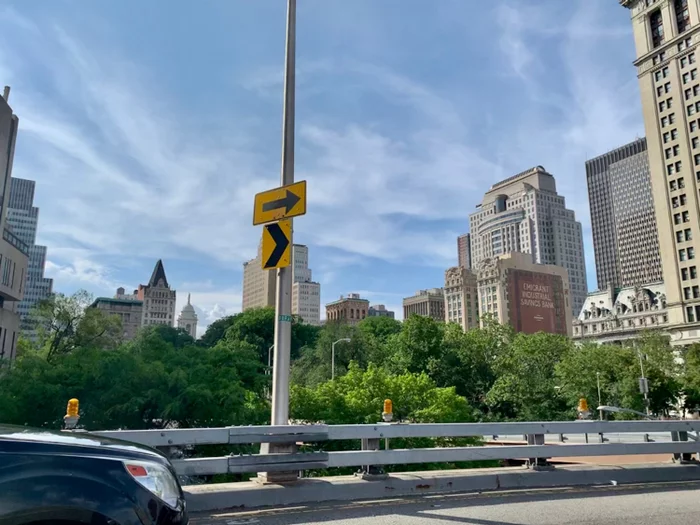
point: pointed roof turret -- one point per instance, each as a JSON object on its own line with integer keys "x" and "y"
{"x": 158, "y": 274}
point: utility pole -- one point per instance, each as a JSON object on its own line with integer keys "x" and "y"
{"x": 283, "y": 301}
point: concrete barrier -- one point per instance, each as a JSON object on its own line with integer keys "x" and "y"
{"x": 350, "y": 488}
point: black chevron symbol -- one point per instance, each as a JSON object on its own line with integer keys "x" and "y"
{"x": 281, "y": 243}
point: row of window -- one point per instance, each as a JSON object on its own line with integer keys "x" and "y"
{"x": 656, "y": 23}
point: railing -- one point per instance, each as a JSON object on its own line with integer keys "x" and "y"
{"x": 681, "y": 444}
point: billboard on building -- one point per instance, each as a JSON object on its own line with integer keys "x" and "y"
{"x": 536, "y": 302}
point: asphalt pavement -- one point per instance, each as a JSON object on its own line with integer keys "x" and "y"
{"x": 667, "y": 504}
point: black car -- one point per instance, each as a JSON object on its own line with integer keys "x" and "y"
{"x": 72, "y": 478}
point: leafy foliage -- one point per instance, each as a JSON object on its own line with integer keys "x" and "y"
{"x": 433, "y": 372}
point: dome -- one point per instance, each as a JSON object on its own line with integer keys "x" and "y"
{"x": 188, "y": 308}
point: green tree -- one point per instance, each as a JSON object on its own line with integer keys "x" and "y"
{"x": 418, "y": 346}
{"x": 525, "y": 384}
{"x": 66, "y": 323}
{"x": 216, "y": 331}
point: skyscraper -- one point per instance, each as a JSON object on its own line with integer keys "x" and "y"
{"x": 22, "y": 220}
{"x": 666, "y": 36}
{"x": 625, "y": 239}
{"x": 464, "y": 251}
{"x": 306, "y": 293}
{"x": 14, "y": 253}
{"x": 259, "y": 286}
{"x": 525, "y": 214}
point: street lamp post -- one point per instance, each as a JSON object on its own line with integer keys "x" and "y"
{"x": 343, "y": 340}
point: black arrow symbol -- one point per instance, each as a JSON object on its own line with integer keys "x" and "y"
{"x": 281, "y": 243}
{"x": 288, "y": 202}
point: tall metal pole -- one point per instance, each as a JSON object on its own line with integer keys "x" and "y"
{"x": 283, "y": 302}
{"x": 600, "y": 402}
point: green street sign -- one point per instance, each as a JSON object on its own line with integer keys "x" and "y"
{"x": 285, "y": 318}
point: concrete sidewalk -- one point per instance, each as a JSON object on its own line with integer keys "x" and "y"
{"x": 345, "y": 488}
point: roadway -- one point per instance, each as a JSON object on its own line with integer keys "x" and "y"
{"x": 670, "y": 504}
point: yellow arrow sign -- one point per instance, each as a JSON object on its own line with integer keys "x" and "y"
{"x": 280, "y": 203}
{"x": 276, "y": 247}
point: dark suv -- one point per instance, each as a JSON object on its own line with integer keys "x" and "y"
{"x": 72, "y": 478}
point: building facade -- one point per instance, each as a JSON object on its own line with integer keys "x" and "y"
{"x": 158, "y": 299}
{"x": 615, "y": 315}
{"x": 126, "y": 307}
{"x": 347, "y": 310}
{"x": 625, "y": 238}
{"x": 464, "y": 251}
{"x": 666, "y": 36}
{"x": 461, "y": 297}
{"x": 22, "y": 221}
{"x": 530, "y": 297}
{"x": 379, "y": 310}
{"x": 259, "y": 286}
{"x": 428, "y": 303}
{"x": 187, "y": 320}
{"x": 14, "y": 253}
{"x": 306, "y": 293}
{"x": 525, "y": 214}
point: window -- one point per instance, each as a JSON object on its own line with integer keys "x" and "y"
{"x": 681, "y": 183}
{"x": 679, "y": 236}
{"x": 664, "y": 122}
{"x": 672, "y": 185}
{"x": 691, "y": 58}
{"x": 693, "y": 272}
{"x": 686, "y": 292}
{"x": 684, "y": 274}
{"x": 657, "y": 75}
{"x": 662, "y": 105}
{"x": 690, "y": 314}
{"x": 674, "y": 134}
{"x": 696, "y": 291}
{"x": 695, "y": 142}
{"x": 681, "y": 255}
{"x": 669, "y": 103}
{"x": 676, "y": 150}
{"x": 682, "y": 15}
{"x": 677, "y": 218}
{"x": 684, "y": 62}
{"x": 686, "y": 216}
{"x": 691, "y": 109}
{"x": 667, "y": 87}
{"x": 691, "y": 253}
{"x": 679, "y": 165}
{"x": 667, "y": 137}
{"x": 682, "y": 200}
{"x": 686, "y": 78}
{"x": 668, "y": 153}
{"x": 688, "y": 92}
{"x": 671, "y": 118}
{"x": 670, "y": 169}
{"x": 656, "y": 25}
{"x": 688, "y": 234}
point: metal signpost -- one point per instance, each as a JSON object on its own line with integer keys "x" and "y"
{"x": 275, "y": 208}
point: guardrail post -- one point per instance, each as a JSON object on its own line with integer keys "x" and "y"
{"x": 538, "y": 463}
{"x": 371, "y": 472}
{"x": 684, "y": 457}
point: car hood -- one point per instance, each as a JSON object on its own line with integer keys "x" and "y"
{"x": 78, "y": 440}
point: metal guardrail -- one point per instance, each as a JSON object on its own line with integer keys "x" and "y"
{"x": 534, "y": 433}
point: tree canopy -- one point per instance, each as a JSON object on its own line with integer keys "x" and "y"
{"x": 433, "y": 372}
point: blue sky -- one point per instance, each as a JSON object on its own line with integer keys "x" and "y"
{"x": 149, "y": 127}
